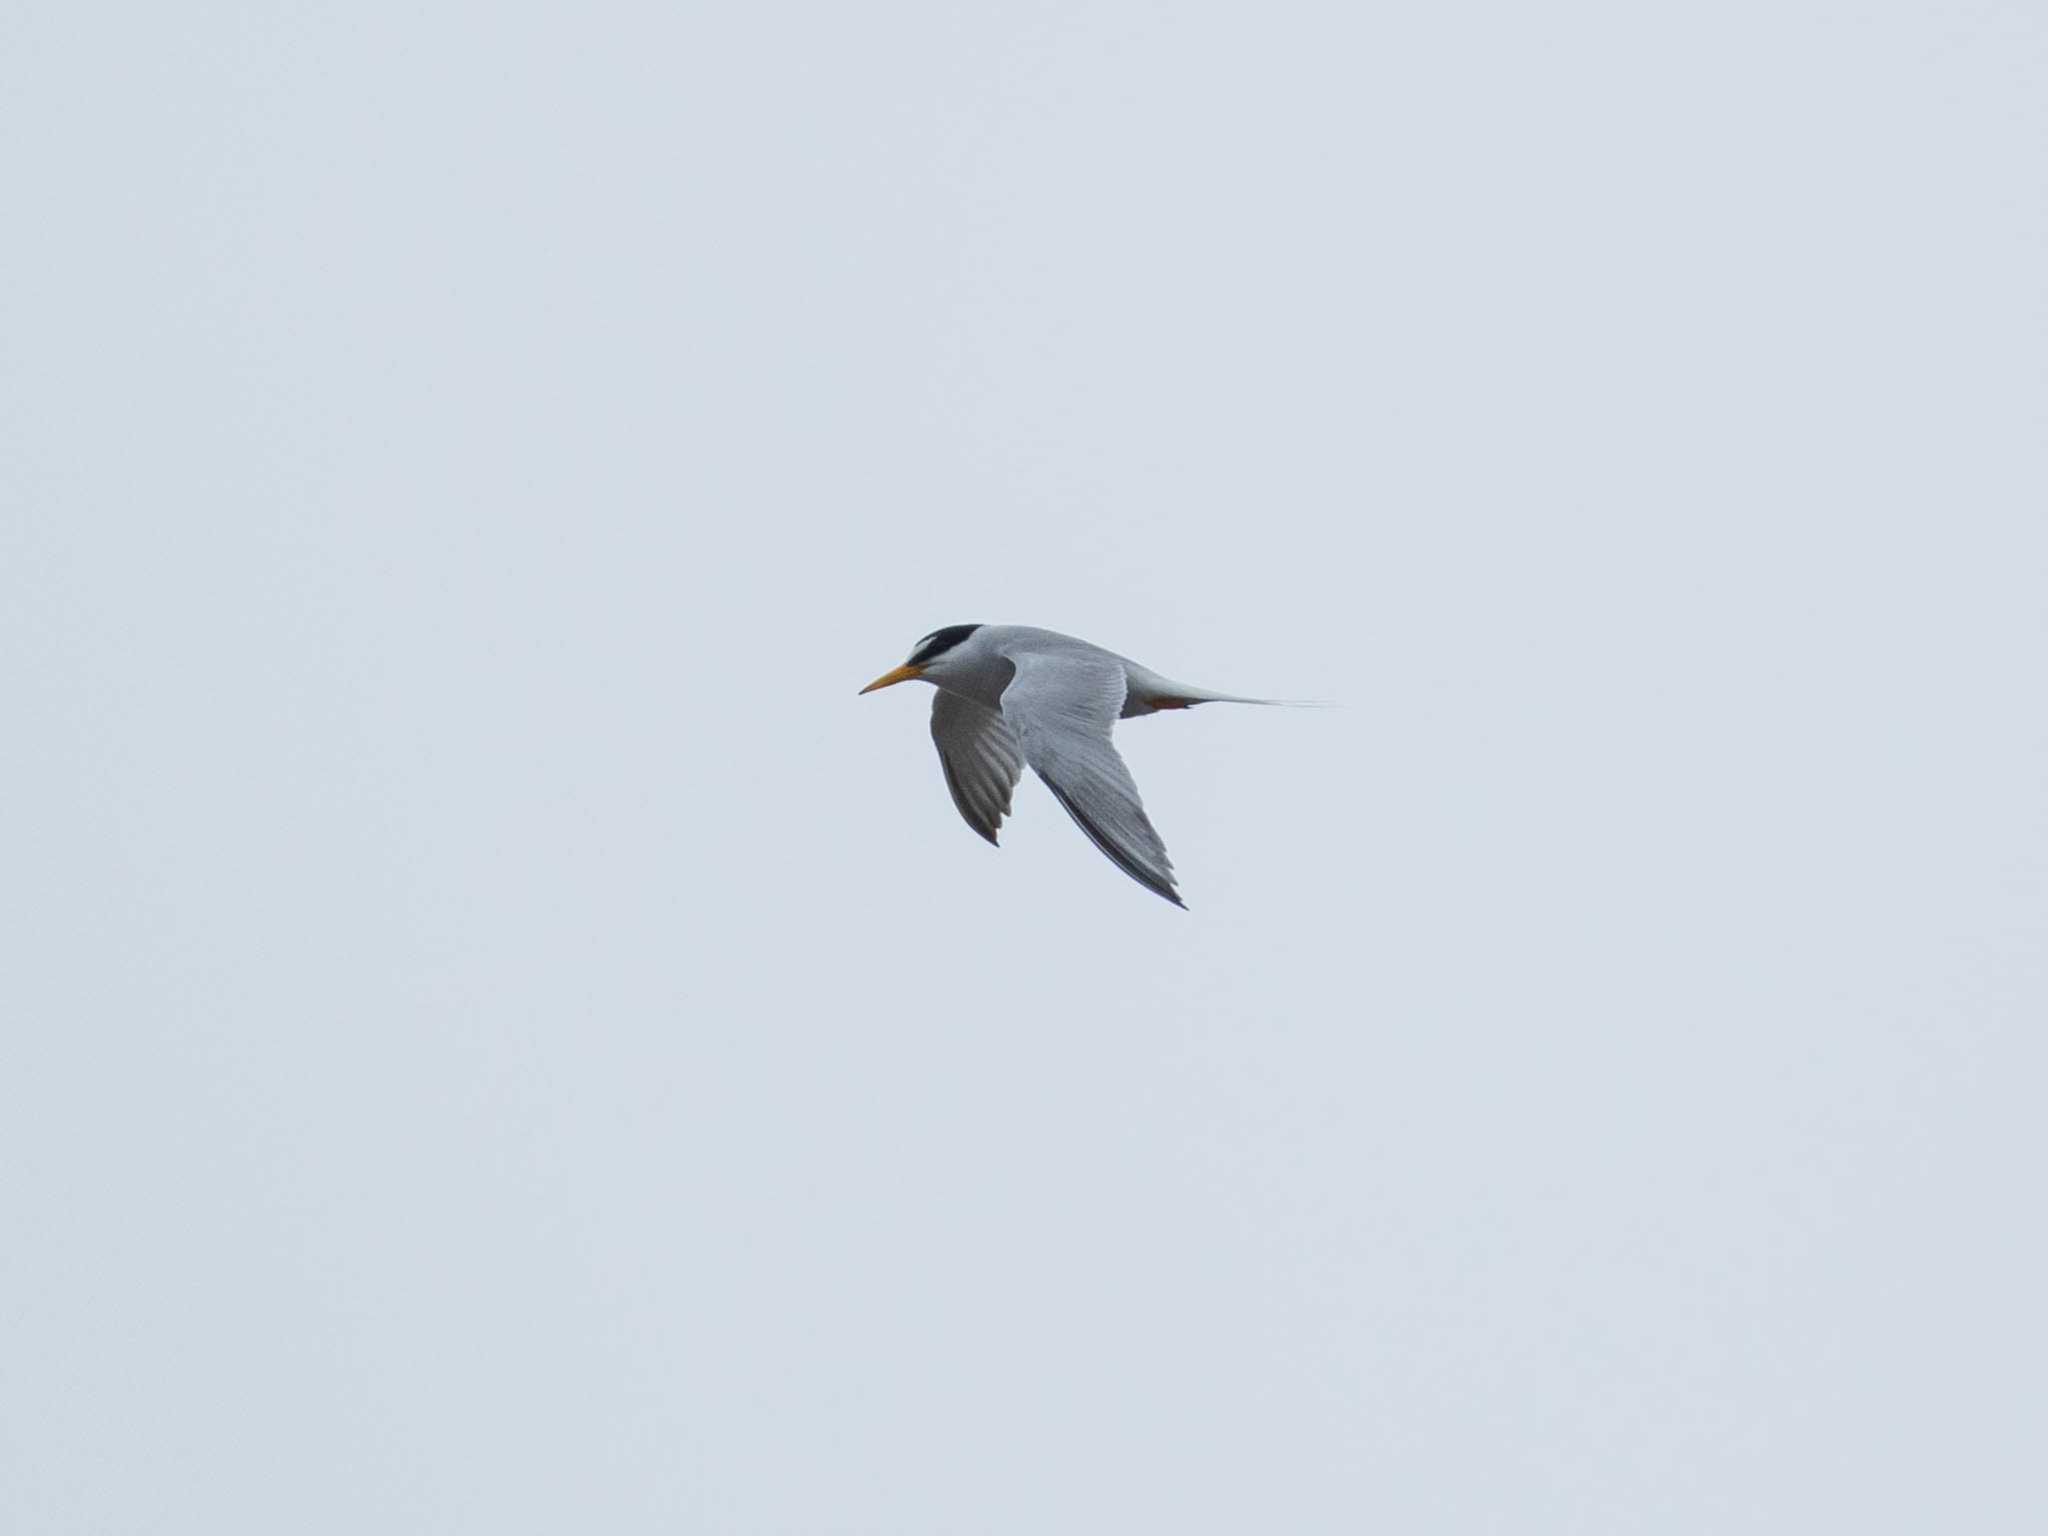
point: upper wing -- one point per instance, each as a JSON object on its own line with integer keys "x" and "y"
{"x": 1060, "y": 707}
{"x": 980, "y": 758}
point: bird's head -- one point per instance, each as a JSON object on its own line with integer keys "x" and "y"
{"x": 929, "y": 658}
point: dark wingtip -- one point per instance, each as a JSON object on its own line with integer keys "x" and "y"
{"x": 1120, "y": 857}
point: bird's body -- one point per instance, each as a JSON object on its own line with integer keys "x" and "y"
{"x": 1009, "y": 695}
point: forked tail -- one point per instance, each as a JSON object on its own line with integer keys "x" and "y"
{"x": 1179, "y": 696}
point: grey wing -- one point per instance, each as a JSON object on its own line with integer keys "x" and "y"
{"x": 980, "y": 757}
{"x": 1061, "y": 707}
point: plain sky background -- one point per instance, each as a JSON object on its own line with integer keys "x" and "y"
{"x": 499, "y": 1038}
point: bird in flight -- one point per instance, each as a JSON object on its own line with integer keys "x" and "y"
{"x": 1010, "y": 695}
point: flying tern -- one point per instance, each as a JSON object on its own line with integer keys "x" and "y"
{"x": 1010, "y": 695}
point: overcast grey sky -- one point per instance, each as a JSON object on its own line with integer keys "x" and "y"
{"x": 499, "y": 1038}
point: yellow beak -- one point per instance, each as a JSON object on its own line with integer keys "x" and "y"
{"x": 893, "y": 676}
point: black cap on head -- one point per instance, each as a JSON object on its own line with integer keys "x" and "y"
{"x": 940, "y": 641}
